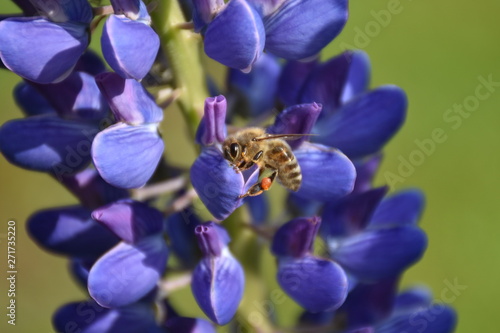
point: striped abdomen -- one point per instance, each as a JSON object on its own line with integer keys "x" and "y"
{"x": 281, "y": 158}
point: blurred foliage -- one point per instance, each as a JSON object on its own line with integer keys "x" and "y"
{"x": 435, "y": 51}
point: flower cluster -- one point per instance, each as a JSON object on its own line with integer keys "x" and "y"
{"x": 340, "y": 244}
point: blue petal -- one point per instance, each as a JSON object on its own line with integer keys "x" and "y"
{"x": 217, "y": 184}
{"x": 350, "y": 214}
{"x": 180, "y": 230}
{"x": 292, "y": 80}
{"x": 296, "y": 237}
{"x": 258, "y": 207}
{"x": 80, "y": 269}
{"x": 27, "y": 48}
{"x": 301, "y": 28}
{"x": 129, "y": 8}
{"x": 438, "y": 318}
{"x": 336, "y": 173}
{"x": 368, "y": 304}
{"x": 69, "y": 231}
{"x": 217, "y": 286}
{"x": 297, "y": 119}
{"x": 64, "y": 11}
{"x": 129, "y": 47}
{"x": 365, "y": 171}
{"x": 89, "y": 317}
{"x": 364, "y": 125}
{"x": 92, "y": 191}
{"x": 404, "y": 207}
{"x": 27, "y": 7}
{"x": 257, "y": 88}
{"x": 127, "y": 272}
{"x": 76, "y": 97}
{"x": 126, "y": 156}
{"x": 326, "y": 83}
{"x": 128, "y": 99}
{"x": 91, "y": 63}
{"x": 413, "y": 298}
{"x": 189, "y": 325}
{"x": 30, "y": 101}
{"x": 380, "y": 253}
{"x": 235, "y": 37}
{"x": 204, "y": 11}
{"x": 361, "y": 330}
{"x": 300, "y": 278}
{"x": 358, "y": 78}
{"x": 130, "y": 220}
{"x": 47, "y": 143}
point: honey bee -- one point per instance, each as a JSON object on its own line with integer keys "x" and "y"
{"x": 269, "y": 152}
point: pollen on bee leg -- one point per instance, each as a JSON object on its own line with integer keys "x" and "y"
{"x": 266, "y": 183}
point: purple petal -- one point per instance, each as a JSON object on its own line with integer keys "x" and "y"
{"x": 212, "y": 238}
{"x": 364, "y": 125}
{"x": 129, "y": 8}
{"x": 297, "y": 119}
{"x": 299, "y": 278}
{"x": 266, "y": 7}
{"x": 128, "y": 99}
{"x": 128, "y": 272}
{"x": 257, "y": 89}
{"x": 27, "y": 48}
{"x": 365, "y": 171}
{"x": 380, "y": 253}
{"x": 204, "y": 11}
{"x": 30, "y": 101}
{"x": 413, "y": 298}
{"x": 368, "y": 304}
{"x": 235, "y": 37}
{"x": 76, "y": 97}
{"x": 129, "y": 47}
{"x": 130, "y": 220}
{"x": 212, "y": 127}
{"x": 189, "y": 325}
{"x": 358, "y": 78}
{"x": 47, "y": 143}
{"x": 350, "y": 214}
{"x": 292, "y": 79}
{"x": 301, "y": 28}
{"x": 69, "y": 231}
{"x": 438, "y": 318}
{"x": 326, "y": 83}
{"x": 217, "y": 286}
{"x": 89, "y": 317}
{"x": 92, "y": 191}
{"x": 126, "y": 156}
{"x": 296, "y": 237}
{"x": 217, "y": 184}
{"x": 337, "y": 173}
{"x": 402, "y": 208}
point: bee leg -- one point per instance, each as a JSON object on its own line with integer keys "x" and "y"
{"x": 263, "y": 185}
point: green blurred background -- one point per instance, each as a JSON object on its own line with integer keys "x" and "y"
{"x": 436, "y": 51}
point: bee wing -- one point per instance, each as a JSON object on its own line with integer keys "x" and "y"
{"x": 281, "y": 136}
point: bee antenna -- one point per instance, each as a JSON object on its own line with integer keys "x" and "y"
{"x": 282, "y": 136}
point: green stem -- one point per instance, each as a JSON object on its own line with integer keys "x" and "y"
{"x": 182, "y": 48}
